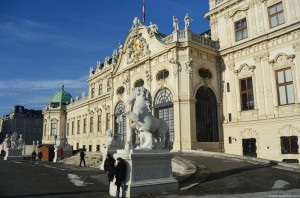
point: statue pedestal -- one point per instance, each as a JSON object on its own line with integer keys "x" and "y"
{"x": 15, "y": 154}
{"x": 148, "y": 172}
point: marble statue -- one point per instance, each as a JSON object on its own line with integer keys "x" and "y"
{"x": 175, "y": 23}
{"x": 144, "y": 123}
{"x": 153, "y": 28}
{"x": 13, "y": 140}
{"x": 108, "y": 140}
{"x": 20, "y": 142}
{"x": 187, "y": 21}
{"x": 136, "y": 22}
{"x": 7, "y": 142}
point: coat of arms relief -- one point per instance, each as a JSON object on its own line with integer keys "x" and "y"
{"x": 137, "y": 48}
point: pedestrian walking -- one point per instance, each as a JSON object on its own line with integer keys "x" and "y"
{"x": 109, "y": 167}
{"x": 33, "y": 156}
{"x": 40, "y": 156}
{"x": 120, "y": 173}
{"x": 82, "y": 154}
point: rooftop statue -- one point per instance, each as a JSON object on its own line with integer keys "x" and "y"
{"x": 136, "y": 22}
{"x": 175, "y": 23}
{"x": 187, "y": 21}
{"x": 144, "y": 123}
{"x": 153, "y": 28}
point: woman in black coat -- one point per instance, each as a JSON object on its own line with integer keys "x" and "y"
{"x": 120, "y": 173}
{"x": 109, "y": 167}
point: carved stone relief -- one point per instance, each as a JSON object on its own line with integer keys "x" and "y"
{"x": 189, "y": 68}
{"x": 137, "y": 48}
{"x": 176, "y": 66}
{"x": 245, "y": 70}
{"x": 249, "y": 133}
{"x": 282, "y": 61}
{"x": 289, "y": 130}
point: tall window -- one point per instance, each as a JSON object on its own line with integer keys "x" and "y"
{"x": 84, "y": 125}
{"x": 289, "y": 144}
{"x": 247, "y": 96}
{"x": 73, "y": 128}
{"x": 78, "y": 126}
{"x": 241, "y": 30}
{"x": 68, "y": 128}
{"x": 53, "y": 128}
{"x": 91, "y": 124}
{"x": 45, "y": 127}
{"x": 99, "y": 122}
{"x": 92, "y": 92}
{"x": 100, "y": 89}
{"x": 285, "y": 88}
{"x": 107, "y": 120}
{"x": 276, "y": 15}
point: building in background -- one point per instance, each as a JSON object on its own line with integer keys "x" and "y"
{"x": 27, "y": 122}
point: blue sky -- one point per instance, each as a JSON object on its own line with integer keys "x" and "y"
{"x": 47, "y": 43}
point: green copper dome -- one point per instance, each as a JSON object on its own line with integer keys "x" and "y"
{"x": 61, "y": 97}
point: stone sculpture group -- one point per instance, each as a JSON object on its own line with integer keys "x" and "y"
{"x": 144, "y": 123}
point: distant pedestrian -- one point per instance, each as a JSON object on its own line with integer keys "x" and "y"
{"x": 33, "y": 156}
{"x": 109, "y": 167}
{"x": 40, "y": 156}
{"x": 61, "y": 153}
{"x": 3, "y": 153}
{"x": 82, "y": 154}
{"x": 120, "y": 173}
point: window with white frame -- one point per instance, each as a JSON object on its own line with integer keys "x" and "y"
{"x": 276, "y": 15}
{"x": 53, "y": 128}
{"x": 285, "y": 89}
{"x": 247, "y": 96}
{"x": 241, "y": 30}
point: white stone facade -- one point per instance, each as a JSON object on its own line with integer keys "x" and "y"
{"x": 266, "y": 50}
{"x": 248, "y": 48}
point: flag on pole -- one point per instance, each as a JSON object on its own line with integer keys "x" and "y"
{"x": 143, "y": 12}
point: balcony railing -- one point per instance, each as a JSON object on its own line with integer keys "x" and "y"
{"x": 189, "y": 36}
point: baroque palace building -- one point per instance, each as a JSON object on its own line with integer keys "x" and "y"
{"x": 237, "y": 92}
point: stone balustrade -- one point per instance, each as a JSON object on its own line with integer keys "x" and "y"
{"x": 189, "y": 36}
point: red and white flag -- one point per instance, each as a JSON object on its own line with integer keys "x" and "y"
{"x": 143, "y": 13}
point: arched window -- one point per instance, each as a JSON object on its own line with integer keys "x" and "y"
{"x": 120, "y": 127}
{"x": 163, "y": 109}
{"x": 163, "y": 74}
{"x": 120, "y": 90}
{"x": 139, "y": 83}
{"x": 206, "y": 116}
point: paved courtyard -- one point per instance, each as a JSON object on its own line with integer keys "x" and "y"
{"x": 229, "y": 178}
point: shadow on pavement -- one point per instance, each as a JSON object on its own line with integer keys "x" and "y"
{"x": 59, "y": 193}
{"x": 220, "y": 175}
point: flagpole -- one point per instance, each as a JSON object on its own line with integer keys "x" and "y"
{"x": 143, "y": 12}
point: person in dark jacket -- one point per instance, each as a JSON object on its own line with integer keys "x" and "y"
{"x": 120, "y": 173}
{"x": 82, "y": 154}
{"x": 33, "y": 156}
{"x": 109, "y": 167}
{"x": 40, "y": 156}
